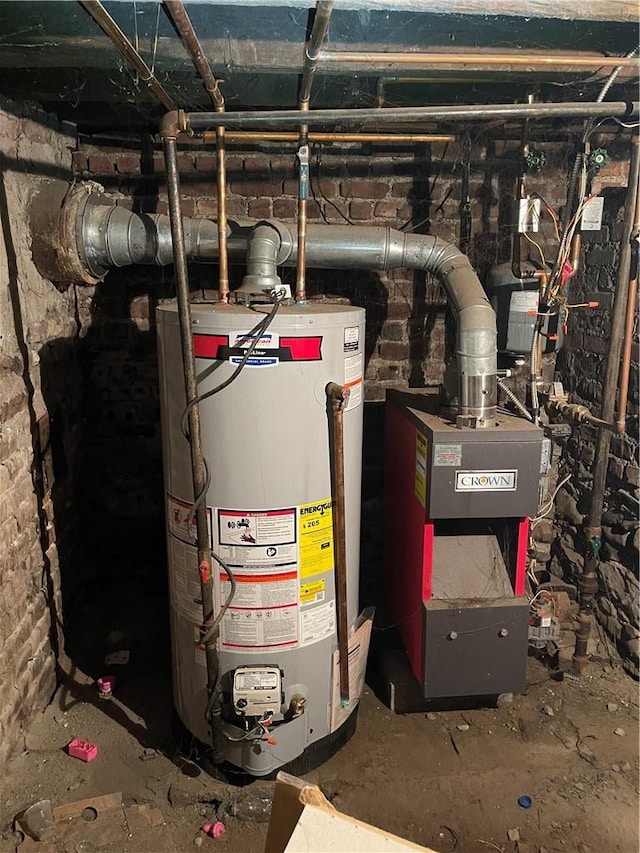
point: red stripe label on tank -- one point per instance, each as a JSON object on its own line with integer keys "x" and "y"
{"x": 301, "y": 349}
{"x": 209, "y": 346}
{"x": 289, "y": 349}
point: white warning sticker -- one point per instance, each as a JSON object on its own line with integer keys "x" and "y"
{"x": 353, "y": 379}
{"x": 261, "y": 591}
{"x": 178, "y": 512}
{"x": 257, "y": 541}
{"x": 184, "y": 580}
{"x": 275, "y": 527}
{"x": 254, "y": 630}
{"x": 317, "y": 623}
{"x": 351, "y": 338}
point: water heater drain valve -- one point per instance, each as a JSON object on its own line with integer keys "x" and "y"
{"x": 257, "y": 690}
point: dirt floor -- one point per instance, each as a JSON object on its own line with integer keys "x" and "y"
{"x": 449, "y": 780}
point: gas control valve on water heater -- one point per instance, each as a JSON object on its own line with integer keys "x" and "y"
{"x": 266, "y": 439}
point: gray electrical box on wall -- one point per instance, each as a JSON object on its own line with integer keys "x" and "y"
{"x": 515, "y": 301}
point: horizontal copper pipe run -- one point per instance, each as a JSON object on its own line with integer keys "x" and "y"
{"x": 576, "y": 62}
{"x": 274, "y": 136}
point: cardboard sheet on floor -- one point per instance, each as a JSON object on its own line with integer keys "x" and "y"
{"x": 304, "y": 821}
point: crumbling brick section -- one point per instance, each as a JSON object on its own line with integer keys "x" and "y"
{"x": 39, "y": 417}
{"x": 582, "y": 366}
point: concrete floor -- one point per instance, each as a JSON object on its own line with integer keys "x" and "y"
{"x": 449, "y": 780}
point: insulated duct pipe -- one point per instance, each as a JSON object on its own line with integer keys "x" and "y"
{"x": 114, "y": 236}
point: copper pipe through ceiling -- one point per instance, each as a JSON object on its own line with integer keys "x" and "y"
{"x": 128, "y": 51}
{"x": 183, "y": 25}
{"x": 319, "y": 29}
{"x": 427, "y": 60}
{"x": 274, "y": 136}
{"x": 192, "y": 45}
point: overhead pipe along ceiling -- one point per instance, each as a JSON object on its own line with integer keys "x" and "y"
{"x": 365, "y": 60}
{"x": 180, "y": 121}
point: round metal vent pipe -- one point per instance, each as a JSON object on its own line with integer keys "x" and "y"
{"x": 113, "y": 236}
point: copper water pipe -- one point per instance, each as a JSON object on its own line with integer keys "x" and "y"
{"x": 128, "y": 51}
{"x": 625, "y": 366}
{"x": 221, "y": 183}
{"x": 629, "y": 322}
{"x": 337, "y": 399}
{"x": 311, "y": 53}
{"x": 190, "y": 40}
{"x": 576, "y": 245}
{"x": 529, "y": 60}
{"x": 283, "y": 136}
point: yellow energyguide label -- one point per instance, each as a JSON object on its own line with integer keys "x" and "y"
{"x": 315, "y": 523}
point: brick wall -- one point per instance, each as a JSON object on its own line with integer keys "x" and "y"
{"x": 80, "y": 466}
{"x": 39, "y": 419}
{"x": 582, "y": 365}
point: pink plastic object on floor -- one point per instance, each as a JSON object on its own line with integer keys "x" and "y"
{"x": 214, "y": 830}
{"x": 83, "y": 749}
{"x": 105, "y": 685}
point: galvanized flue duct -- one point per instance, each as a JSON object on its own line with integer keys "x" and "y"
{"x": 109, "y": 236}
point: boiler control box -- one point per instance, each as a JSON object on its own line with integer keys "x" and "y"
{"x": 257, "y": 690}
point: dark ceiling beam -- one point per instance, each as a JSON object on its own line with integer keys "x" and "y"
{"x": 267, "y": 57}
{"x": 569, "y": 10}
{"x": 127, "y": 50}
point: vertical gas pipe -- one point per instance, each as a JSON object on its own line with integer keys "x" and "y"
{"x": 169, "y": 133}
{"x": 312, "y": 50}
{"x": 588, "y": 581}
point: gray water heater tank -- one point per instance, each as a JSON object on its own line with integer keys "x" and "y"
{"x": 266, "y": 442}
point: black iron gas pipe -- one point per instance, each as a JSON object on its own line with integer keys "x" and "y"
{"x": 376, "y": 118}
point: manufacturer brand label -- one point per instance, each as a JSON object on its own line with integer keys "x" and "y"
{"x": 486, "y": 481}
{"x": 270, "y": 349}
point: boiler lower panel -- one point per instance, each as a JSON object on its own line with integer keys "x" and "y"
{"x": 473, "y": 648}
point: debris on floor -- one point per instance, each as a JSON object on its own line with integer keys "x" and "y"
{"x": 401, "y": 772}
{"x": 92, "y": 824}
